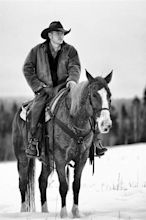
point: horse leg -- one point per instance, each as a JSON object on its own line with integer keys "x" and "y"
{"x": 23, "y": 181}
{"x": 63, "y": 188}
{"x": 43, "y": 182}
{"x": 79, "y": 165}
{"x": 25, "y": 166}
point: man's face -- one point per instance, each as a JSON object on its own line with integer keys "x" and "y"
{"x": 56, "y": 37}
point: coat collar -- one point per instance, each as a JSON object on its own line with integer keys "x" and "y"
{"x": 44, "y": 45}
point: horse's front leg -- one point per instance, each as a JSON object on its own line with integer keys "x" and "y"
{"x": 79, "y": 165}
{"x": 43, "y": 182}
{"x": 63, "y": 187}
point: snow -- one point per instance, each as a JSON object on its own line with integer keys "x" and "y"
{"x": 117, "y": 190}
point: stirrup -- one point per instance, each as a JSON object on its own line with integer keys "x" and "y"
{"x": 99, "y": 151}
{"x": 34, "y": 142}
{"x": 101, "y": 146}
{"x": 42, "y": 158}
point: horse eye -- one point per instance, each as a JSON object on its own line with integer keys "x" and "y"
{"x": 110, "y": 101}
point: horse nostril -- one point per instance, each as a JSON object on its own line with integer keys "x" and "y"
{"x": 106, "y": 130}
{"x": 109, "y": 126}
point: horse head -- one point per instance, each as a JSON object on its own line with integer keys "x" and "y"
{"x": 100, "y": 99}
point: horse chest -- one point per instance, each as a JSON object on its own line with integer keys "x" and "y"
{"x": 75, "y": 151}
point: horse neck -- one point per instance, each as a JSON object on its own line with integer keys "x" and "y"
{"x": 84, "y": 112}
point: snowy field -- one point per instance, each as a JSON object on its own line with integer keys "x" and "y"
{"x": 117, "y": 190}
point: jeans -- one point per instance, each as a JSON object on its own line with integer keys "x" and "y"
{"x": 38, "y": 106}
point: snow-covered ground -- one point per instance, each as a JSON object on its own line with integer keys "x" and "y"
{"x": 117, "y": 190}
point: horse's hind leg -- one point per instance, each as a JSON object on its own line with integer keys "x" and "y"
{"x": 26, "y": 167}
{"x": 43, "y": 182}
{"x": 79, "y": 165}
{"x": 23, "y": 181}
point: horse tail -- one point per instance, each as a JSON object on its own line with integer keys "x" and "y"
{"x": 30, "y": 193}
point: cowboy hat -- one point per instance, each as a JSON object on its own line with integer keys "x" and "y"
{"x": 54, "y": 26}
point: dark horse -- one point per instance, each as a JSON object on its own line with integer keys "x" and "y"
{"x": 72, "y": 134}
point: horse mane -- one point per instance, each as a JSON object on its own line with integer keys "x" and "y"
{"x": 76, "y": 94}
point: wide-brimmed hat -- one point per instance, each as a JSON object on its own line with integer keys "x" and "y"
{"x": 54, "y": 26}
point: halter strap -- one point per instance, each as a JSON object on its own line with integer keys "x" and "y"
{"x": 77, "y": 137}
{"x": 101, "y": 109}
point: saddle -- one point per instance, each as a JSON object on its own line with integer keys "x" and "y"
{"x": 26, "y": 107}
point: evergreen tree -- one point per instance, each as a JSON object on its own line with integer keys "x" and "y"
{"x": 143, "y": 117}
{"x": 114, "y": 118}
{"x": 136, "y": 120}
{"x": 144, "y": 97}
{"x": 124, "y": 131}
{"x": 7, "y": 112}
{"x": 2, "y": 120}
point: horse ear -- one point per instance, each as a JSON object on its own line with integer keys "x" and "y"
{"x": 89, "y": 77}
{"x": 109, "y": 77}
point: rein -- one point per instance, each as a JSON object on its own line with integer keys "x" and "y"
{"x": 75, "y": 135}
{"x": 78, "y": 138}
{"x": 101, "y": 109}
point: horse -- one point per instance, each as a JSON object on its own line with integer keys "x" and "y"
{"x": 72, "y": 136}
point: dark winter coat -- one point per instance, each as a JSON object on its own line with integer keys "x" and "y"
{"x": 36, "y": 68}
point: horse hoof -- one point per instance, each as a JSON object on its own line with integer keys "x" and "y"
{"x": 75, "y": 211}
{"x": 23, "y": 207}
{"x": 45, "y": 208}
{"x": 63, "y": 213}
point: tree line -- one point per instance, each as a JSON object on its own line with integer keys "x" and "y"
{"x": 128, "y": 124}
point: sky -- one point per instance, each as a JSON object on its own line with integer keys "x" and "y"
{"x": 108, "y": 35}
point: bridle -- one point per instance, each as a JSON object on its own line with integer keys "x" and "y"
{"x": 97, "y": 110}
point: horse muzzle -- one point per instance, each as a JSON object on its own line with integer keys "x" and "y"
{"x": 104, "y": 126}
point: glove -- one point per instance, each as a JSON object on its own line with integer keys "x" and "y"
{"x": 70, "y": 84}
{"x": 48, "y": 90}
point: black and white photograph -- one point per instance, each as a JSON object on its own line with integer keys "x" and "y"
{"x": 73, "y": 109}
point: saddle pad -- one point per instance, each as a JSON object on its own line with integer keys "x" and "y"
{"x": 52, "y": 106}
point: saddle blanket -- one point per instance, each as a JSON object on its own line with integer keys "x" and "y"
{"x": 51, "y": 106}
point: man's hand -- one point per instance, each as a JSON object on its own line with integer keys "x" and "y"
{"x": 71, "y": 84}
{"x": 48, "y": 90}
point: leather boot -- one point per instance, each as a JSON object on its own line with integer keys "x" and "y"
{"x": 32, "y": 151}
{"x": 32, "y": 148}
{"x": 99, "y": 149}
{"x": 33, "y": 117}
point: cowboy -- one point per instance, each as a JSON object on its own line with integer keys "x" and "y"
{"x": 48, "y": 65}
